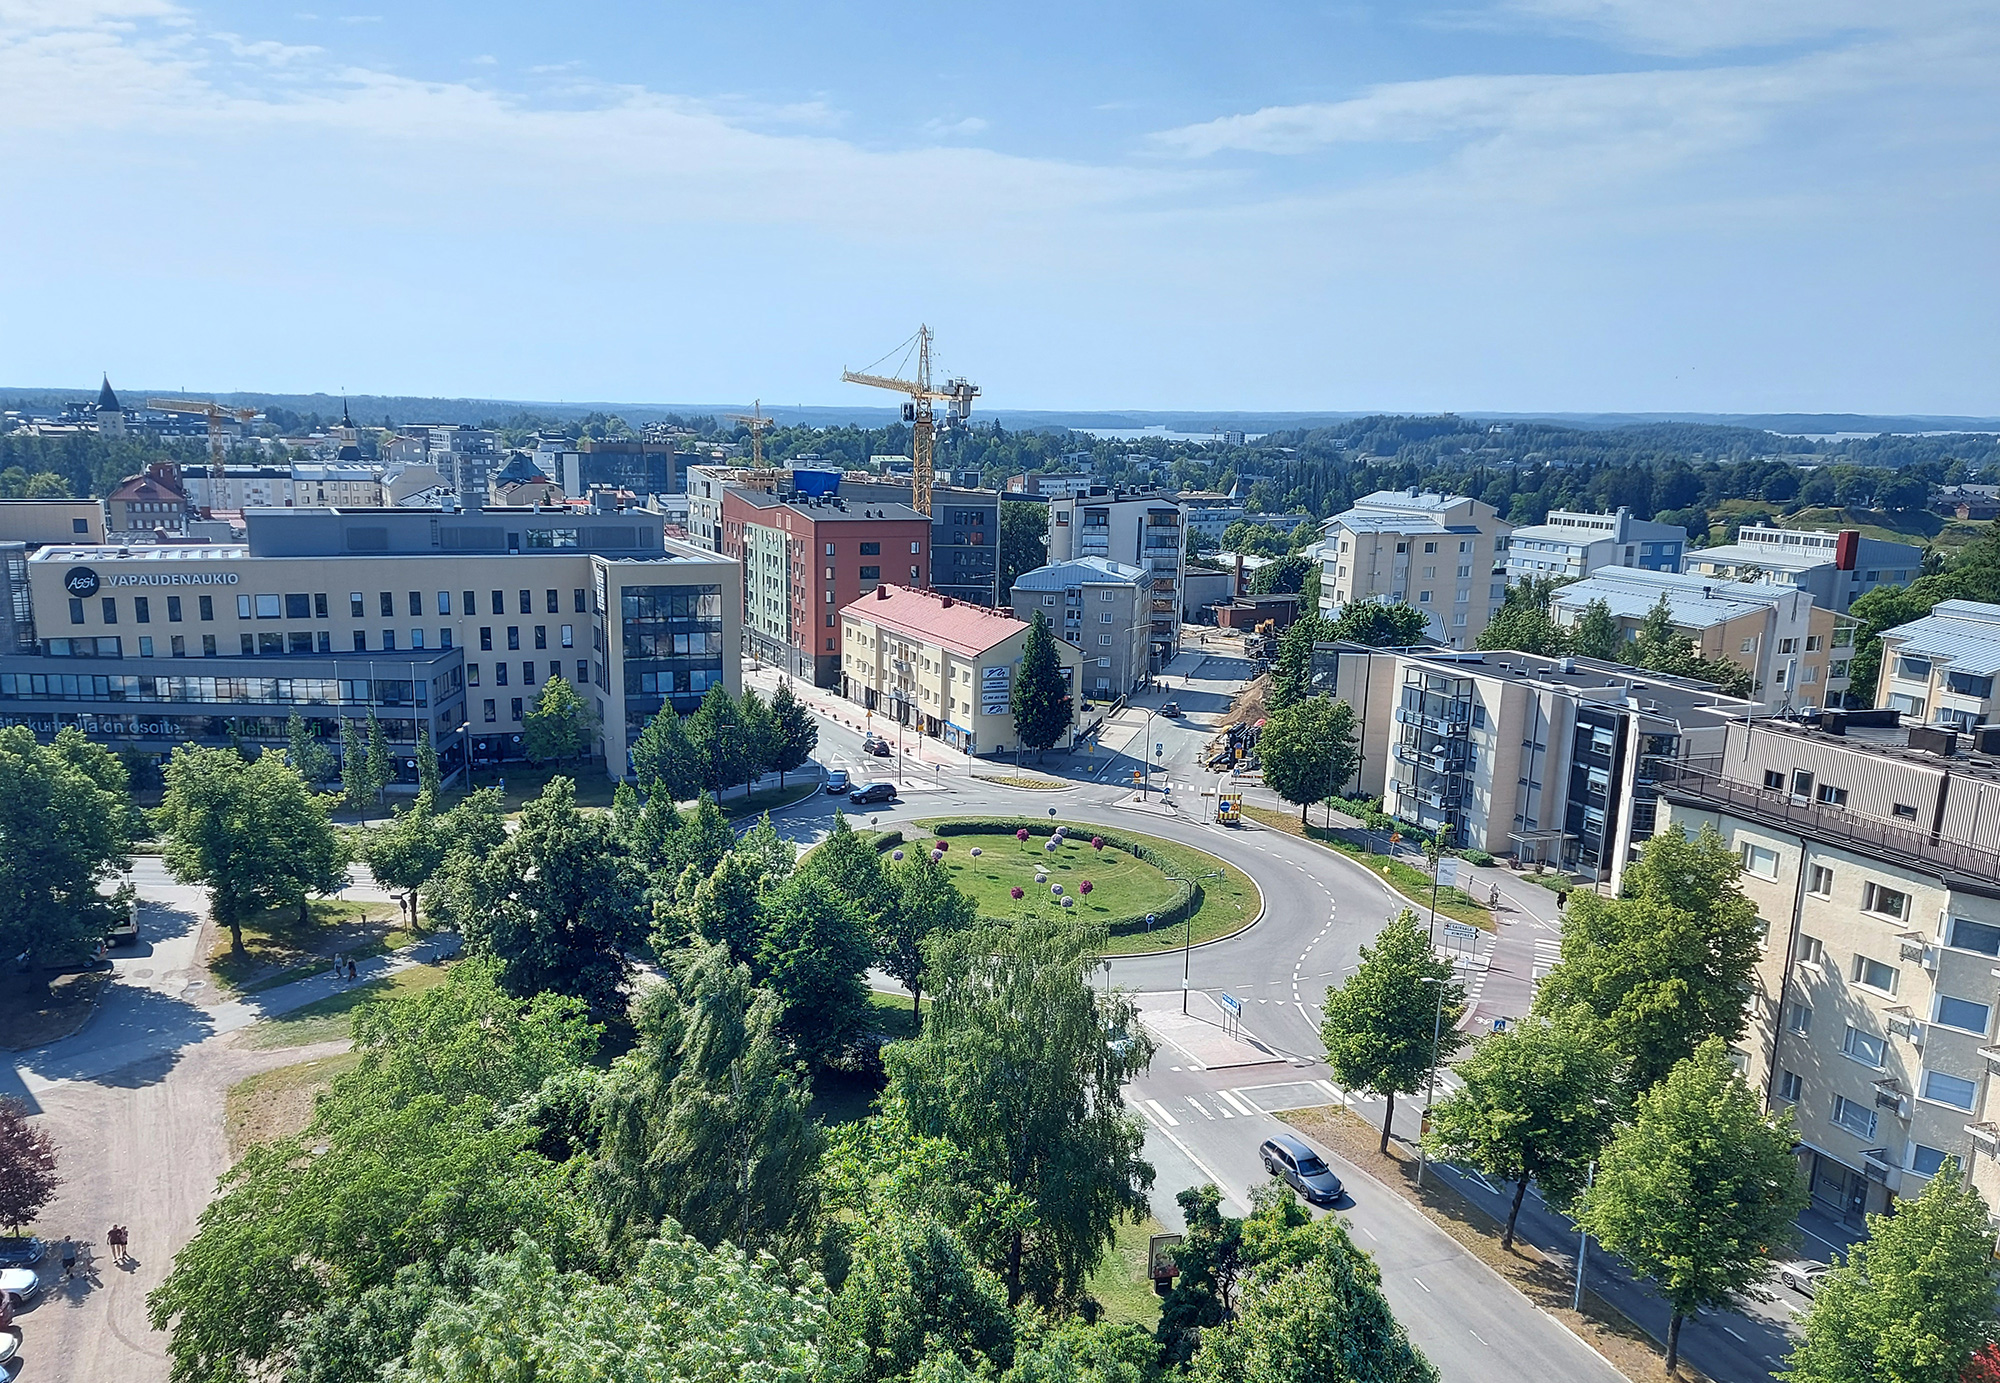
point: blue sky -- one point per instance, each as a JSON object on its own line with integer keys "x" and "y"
{"x": 1721, "y": 205}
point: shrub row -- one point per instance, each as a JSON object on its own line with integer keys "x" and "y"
{"x": 1187, "y": 897}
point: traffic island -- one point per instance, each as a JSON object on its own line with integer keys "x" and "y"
{"x": 1114, "y": 877}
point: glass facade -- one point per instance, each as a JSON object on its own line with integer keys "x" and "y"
{"x": 673, "y": 648}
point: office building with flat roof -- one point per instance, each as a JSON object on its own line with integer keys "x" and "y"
{"x": 1442, "y": 554}
{"x": 446, "y": 622}
{"x": 1939, "y": 670}
{"x": 1834, "y": 568}
{"x": 1567, "y": 546}
{"x": 1102, "y": 608}
{"x": 1139, "y": 527}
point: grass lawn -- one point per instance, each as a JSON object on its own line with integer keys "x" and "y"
{"x": 39, "y": 1007}
{"x": 798, "y": 789}
{"x": 326, "y": 1020}
{"x": 525, "y": 783}
{"x": 278, "y": 1103}
{"x": 895, "y": 1015}
{"x": 277, "y": 948}
{"x": 1120, "y": 1283}
{"x": 1413, "y": 883}
{"x": 1122, "y": 885}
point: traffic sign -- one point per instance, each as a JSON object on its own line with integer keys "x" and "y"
{"x": 1461, "y": 931}
{"x": 1233, "y": 1004}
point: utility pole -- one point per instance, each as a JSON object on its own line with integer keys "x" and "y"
{"x": 1582, "y": 1242}
{"x": 1430, "y": 1081}
{"x": 1436, "y": 851}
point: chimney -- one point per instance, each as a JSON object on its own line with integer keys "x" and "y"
{"x": 944, "y": 602}
{"x": 881, "y": 592}
{"x": 1846, "y": 549}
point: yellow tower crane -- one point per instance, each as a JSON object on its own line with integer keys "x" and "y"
{"x": 759, "y": 424}
{"x": 215, "y": 413}
{"x": 958, "y": 393}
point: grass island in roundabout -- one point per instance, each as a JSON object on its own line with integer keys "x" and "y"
{"x": 1108, "y": 875}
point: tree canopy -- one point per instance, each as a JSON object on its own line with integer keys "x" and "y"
{"x": 1383, "y": 1028}
{"x": 1040, "y": 699}
{"x": 66, "y": 823}
{"x": 1308, "y": 750}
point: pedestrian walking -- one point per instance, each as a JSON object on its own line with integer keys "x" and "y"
{"x": 68, "y": 1257}
{"x": 350, "y": 970}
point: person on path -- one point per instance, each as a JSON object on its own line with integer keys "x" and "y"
{"x": 350, "y": 970}
{"x": 111, "y": 1238}
{"x": 68, "y": 1257}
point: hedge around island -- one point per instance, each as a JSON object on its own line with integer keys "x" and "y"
{"x": 1187, "y": 895}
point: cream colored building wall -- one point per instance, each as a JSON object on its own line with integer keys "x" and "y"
{"x": 942, "y": 683}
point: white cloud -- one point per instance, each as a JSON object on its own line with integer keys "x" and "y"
{"x": 1708, "y": 26}
{"x": 940, "y": 128}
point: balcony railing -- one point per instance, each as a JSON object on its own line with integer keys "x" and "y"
{"x": 1700, "y": 782}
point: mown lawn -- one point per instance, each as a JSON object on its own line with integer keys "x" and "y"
{"x": 1413, "y": 883}
{"x": 327, "y": 1020}
{"x": 278, "y": 948}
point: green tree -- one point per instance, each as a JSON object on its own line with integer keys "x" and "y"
{"x": 1692, "y": 1191}
{"x": 1308, "y": 750}
{"x": 914, "y": 1292}
{"x": 683, "y": 1312}
{"x": 1253, "y": 539}
{"x": 427, "y": 762}
{"x": 1382, "y": 1026}
{"x": 1380, "y": 624}
{"x": 381, "y": 762}
{"x": 797, "y": 732}
{"x": 557, "y": 902}
{"x": 66, "y": 823}
{"x": 1040, "y": 700}
{"x": 704, "y": 1123}
{"x": 715, "y": 730}
{"x": 1523, "y": 623}
{"x": 761, "y": 746}
{"x": 1312, "y": 1312}
{"x": 1209, "y": 1262}
{"x": 1283, "y": 576}
{"x": 251, "y": 832}
{"x": 1596, "y": 633}
{"x": 356, "y": 788}
{"x": 1914, "y": 1301}
{"x": 306, "y": 753}
{"x": 417, "y": 840}
{"x": 853, "y": 868}
{"x": 664, "y": 760}
{"x": 725, "y": 909}
{"x": 813, "y": 951}
{"x": 1024, "y": 539}
{"x": 1536, "y": 1104}
{"x": 557, "y": 725}
{"x": 1667, "y": 965}
{"x": 1292, "y": 671}
{"x": 1013, "y": 1070}
{"x": 775, "y": 856}
{"x": 925, "y": 904}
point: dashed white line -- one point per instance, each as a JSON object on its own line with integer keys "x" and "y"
{"x": 1734, "y": 1333}
{"x": 1367, "y": 1231}
{"x": 1161, "y": 1110}
{"x": 1243, "y": 1106}
{"x": 1198, "y": 1108}
{"x": 1419, "y": 1281}
{"x": 1475, "y": 1335}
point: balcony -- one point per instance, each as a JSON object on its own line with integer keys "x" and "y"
{"x": 1985, "y": 1137}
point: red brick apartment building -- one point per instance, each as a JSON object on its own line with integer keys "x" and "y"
{"x": 804, "y": 558}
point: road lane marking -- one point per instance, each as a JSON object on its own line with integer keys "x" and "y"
{"x": 1419, "y": 1281}
{"x": 1726, "y": 1328}
{"x": 1161, "y": 1110}
{"x": 1204, "y": 1168}
{"x": 1198, "y": 1109}
{"x": 1243, "y": 1106}
{"x": 1367, "y": 1231}
{"x": 1475, "y": 1335}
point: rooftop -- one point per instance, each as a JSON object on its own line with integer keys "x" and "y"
{"x": 1593, "y": 679}
{"x": 1697, "y": 602}
{"x": 1765, "y": 555}
{"x": 1096, "y": 571}
{"x": 1964, "y": 633}
{"x": 934, "y": 618}
{"x": 831, "y": 509}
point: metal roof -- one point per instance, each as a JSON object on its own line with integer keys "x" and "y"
{"x": 1697, "y": 602}
{"x": 1081, "y": 571}
{"x": 1964, "y": 633}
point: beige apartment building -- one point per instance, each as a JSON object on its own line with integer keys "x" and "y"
{"x": 1875, "y": 867}
{"x": 941, "y": 666}
{"x": 1940, "y": 669}
{"x": 1446, "y": 555}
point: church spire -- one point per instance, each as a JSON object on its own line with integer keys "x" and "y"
{"x": 107, "y": 402}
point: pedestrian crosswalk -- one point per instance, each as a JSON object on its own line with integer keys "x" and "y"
{"x": 1251, "y": 1101}
{"x": 1548, "y": 950}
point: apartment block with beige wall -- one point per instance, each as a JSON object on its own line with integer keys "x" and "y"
{"x": 1796, "y": 652}
{"x": 941, "y": 666}
{"x": 1875, "y": 869}
{"x": 1940, "y": 669}
{"x": 1445, "y": 555}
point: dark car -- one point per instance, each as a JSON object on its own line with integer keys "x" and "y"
{"x": 1170, "y": 709}
{"x": 22, "y": 1251}
{"x": 836, "y": 782}
{"x": 877, "y": 746}
{"x": 1300, "y": 1168}
{"x": 874, "y": 792}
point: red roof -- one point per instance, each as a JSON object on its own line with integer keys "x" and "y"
{"x": 934, "y": 618}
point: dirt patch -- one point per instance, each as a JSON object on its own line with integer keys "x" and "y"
{"x": 278, "y": 947}
{"x": 33, "y": 1014}
{"x": 279, "y": 1103}
{"x": 1545, "y": 1281}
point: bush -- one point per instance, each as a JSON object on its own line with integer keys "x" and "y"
{"x": 1187, "y": 893}
{"x": 1477, "y": 857}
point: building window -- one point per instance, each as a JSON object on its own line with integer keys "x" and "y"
{"x": 875, "y": 574}
{"x": 491, "y": 714}
{"x": 360, "y": 641}
{"x": 1955, "y": 1091}
{"x": 516, "y": 707}
{"x": 76, "y": 612}
{"x": 1857, "y": 1118}
{"x": 1967, "y": 935}
{"x": 388, "y": 641}
{"x": 1863, "y": 1047}
{"x": 142, "y": 610}
{"x": 178, "y": 647}
{"x": 1810, "y": 951}
{"x": 916, "y": 548}
{"x": 1799, "y": 1020}
{"x": 472, "y": 674}
{"x": 416, "y": 638}
{"x": 387, "y": 602}
{"x": 552, "y": 602}
{"x": 1885, "y": 902}
{"x": 1104, "y": 641}
{"x": 207, "y": 606}
{"x": 577, "y": 599}
{"x": 1423, "y": 597}
{"x": 1430, "y": 547}
{"x": 1790, "y": 1087}
{"x": 1830, "y": 796}
{"x": 1874, "y": 974}
{"x": 867, "y": 549}
{"x": 528, "y": 674}
{"x": 1760, "y": 861}
{"x": 1962, "y": 1014}
{"x": 499, "y": 674}
{"x": 355, "y": 609}
{"x": 1903, "y": 810}
{"x": 568, "y": 633}
{"x": 541, "y": 636}
{"x": 499, "y": 602}
{"x": 1925, "y": 1161}
{"x": 514, "y": 637}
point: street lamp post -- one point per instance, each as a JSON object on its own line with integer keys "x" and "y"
{"x": 1582, "y": 1242}
{"x": 1436, "y": 851}
{"x": 1430, "y": 1081}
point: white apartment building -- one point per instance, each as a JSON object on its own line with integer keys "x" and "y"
{"x": 1443, "y": 554}
{"x": 1140, "y": 527}
{"x": 1834, "y": 568}
{"x": 1875, "y": 868}
{"x": 1940, "y": 669}
{"x": 1568, "y": 545}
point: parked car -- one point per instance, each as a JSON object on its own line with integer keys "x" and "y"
{"x": 874, "y": 792}
{"x": 20, "y": 1283}
{"x": 1170, "y": 709}
{"x": 22, "y": 1251}
{"x": 1803, "y": 1276}
{"x": 1300, "y": 1168}
{"x": 877, "y": 746}
{"x": 837, "y": 783}
{"x": 127, "y": 930}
